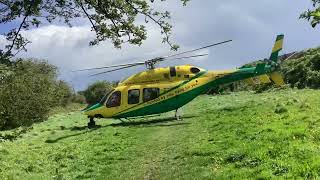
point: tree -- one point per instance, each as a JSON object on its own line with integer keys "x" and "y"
{"x": 28, "y": 90}
{"x": 313, "y": 15}
{"x": 121, "y": 21}
{"x": 63, "y": 93}
{"x": 96, "y": 91}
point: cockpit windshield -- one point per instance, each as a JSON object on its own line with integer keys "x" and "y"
{"x": 103, "y": 100}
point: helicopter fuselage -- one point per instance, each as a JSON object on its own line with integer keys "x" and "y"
{"x": 165, "y": 89}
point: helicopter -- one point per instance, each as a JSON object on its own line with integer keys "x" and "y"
{"x": 160, "y": 90}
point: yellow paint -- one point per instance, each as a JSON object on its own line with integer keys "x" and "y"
{"x": 264, "y": 79}
{"x": 156, "y": 79}
{"x": 185, "y": 78}
{"x": 278, "y": 45}
{"x": 276, "y": 77}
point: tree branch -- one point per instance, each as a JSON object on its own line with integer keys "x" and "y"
{"x": 16, "y": 36}
{"x": 154, "y": 20}
{"x": 88, "y": 16}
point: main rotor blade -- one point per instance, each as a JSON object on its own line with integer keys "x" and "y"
{"x": 106, "y": 67}
{"x": 197, "y": 49}
{"x": 113, "y": 70}
{"x": 293, "y": 54}
{"x": 186, "y": 57}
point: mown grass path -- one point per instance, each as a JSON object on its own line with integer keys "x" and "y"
{"x": 242, "y": 135}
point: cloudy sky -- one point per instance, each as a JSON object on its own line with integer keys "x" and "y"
{"x": 252, "y": 25}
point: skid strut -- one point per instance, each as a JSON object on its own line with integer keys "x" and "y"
{"x": 177, "y": 115}
{"x": 91, "y": 122}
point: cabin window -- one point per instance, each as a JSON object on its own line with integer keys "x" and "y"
{"x": 173, "y": 71}
{"x": 114, "y": 100}
{"x": 133, "y": 96}
{"x": 150, "y": 94}
{"x": 194, "y": 70}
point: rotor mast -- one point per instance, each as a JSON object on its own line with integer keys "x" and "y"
{"x": 151, "y": 64}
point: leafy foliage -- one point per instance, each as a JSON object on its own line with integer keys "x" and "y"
{"x": 63, "y": 93}
{"x": 300, "y": 71}
{"x": 117, "y": 20}
{"x": 28, "y": 90}
{"x": 313, "y": 15}
{"x": 304, "y": 71}
{"x": 96, "y": 91}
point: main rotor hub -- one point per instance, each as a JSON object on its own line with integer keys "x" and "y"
{"x": 150, "y": 64}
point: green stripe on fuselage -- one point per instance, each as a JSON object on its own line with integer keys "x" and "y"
{"x": 164, "y": 93}
{"x": 184, "y": 98}
{"x": 96, "y": 106}
{"x": 185, "y": 82}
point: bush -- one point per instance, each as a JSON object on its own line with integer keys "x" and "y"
{"x": 63, "y": 93}
{"x": 301, "y": 71}
{"x": 28, "y": 89}
{"x": 96, "y": 91}
{"x": 304, "y": 71}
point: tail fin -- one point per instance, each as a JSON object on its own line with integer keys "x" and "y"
{"x": 277, "y": 48}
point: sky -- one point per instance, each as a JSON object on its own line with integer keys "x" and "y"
{"x": 252, "y": 25}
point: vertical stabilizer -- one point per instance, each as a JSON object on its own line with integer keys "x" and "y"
{"x": 277, "y": 48}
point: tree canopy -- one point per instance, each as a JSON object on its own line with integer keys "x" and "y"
{"x": 96, "y": 91}
{"x": 121, "y": 21}
{"x": 28, "y": 90}
{"x": 313, "y": 15}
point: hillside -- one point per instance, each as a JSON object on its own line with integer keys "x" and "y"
{"x": 299, "y": 69}
{"x": 242, "y": 135}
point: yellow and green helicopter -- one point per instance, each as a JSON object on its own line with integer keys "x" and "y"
{"x": 160, "y": 90}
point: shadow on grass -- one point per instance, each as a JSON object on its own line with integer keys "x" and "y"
{"x": 150, "y": 123}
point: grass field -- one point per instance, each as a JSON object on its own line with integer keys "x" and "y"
{"x": 242, "y": 135}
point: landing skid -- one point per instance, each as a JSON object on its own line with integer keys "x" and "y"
{"x": 138, "y": 117}
{"x": 91, "y": 123}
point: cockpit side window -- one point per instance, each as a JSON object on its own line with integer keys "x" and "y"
{"x": 133, "y": 96}
{"x": 114, "y": 100}
{"x": 104, "y": 98}
{"x": 150, "y": 94}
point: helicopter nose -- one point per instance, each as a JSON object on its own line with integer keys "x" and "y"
{"x": 88, "y": 110}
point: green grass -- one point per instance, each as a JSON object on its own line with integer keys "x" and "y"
{"x": 242, "y": 135}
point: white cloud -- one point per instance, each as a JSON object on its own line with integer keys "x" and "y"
{"x": 68, "y": 48}
{"x": 252, "y": 25}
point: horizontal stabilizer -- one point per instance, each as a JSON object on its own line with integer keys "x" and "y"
{"x": 264, "y": 79}
{"x": 277, "y": 78}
